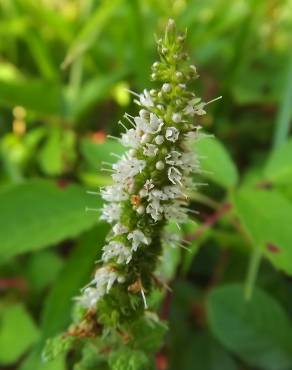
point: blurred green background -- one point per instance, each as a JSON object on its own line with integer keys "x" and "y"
{"x": 65, "y": 66}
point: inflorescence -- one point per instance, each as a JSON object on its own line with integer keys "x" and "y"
{"x": 151, "y": 182}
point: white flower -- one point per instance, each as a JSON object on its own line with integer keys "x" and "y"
{"x": 176, "y": 117}
{"x": 127, "y": 167}
{"x": 190, "y": 163}
{"x": 105, "y": 278}
{"x": 130, "y": 138}
{"x": 150, "y": 150}
{"x": 120, "y": 229}
{"x": 195, "y": 107}
{"x": 159, "y": 165}
{"x": 116, "y": 250}
{"x": 174, "y": 175}
{"x": 175, "y": 212}
{"x": 174, "y": 158}
{"x": 89, "y": 298}
{"x": 172, "y": 192}
{"x": 113, "y": 193}
{"x": 148, "y": 185}
{"x": 138, "y": 238}
{"x": 172, "y": 134}
{"x": 159, "y": 139}
{"x": 155, "y": 124}
{"x": 155, "y": 209}
{"x": 110, "y": 212}
{"x": 145, "y": 99}
{"x": 166, "y": 87}
{"x": 157, "y": 194}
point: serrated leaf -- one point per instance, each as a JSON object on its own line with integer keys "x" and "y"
{"x": 17, "y": 333}
{"x": 126, "y": 359}
{"x": 148, "y": 332}
{"x": 265, "y": 215}
{"x": 279, "y": 164}
{"x": 38, "y": 213}
{"x": 258, "y": 331}
{"x": 217, "y": 162}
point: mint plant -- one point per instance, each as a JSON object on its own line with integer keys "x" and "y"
{"x": 151, "y": 183}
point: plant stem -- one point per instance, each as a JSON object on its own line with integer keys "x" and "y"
{"x": 252, "y": 272}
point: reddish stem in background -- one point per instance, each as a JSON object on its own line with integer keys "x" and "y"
{"x": 17, "y": 283}
{"x": 210, "y": 221}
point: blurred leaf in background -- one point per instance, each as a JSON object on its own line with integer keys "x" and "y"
{"x": 65, "y": 70}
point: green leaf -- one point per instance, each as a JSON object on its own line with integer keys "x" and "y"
{"x": 91, "y": 30}
{"x": 278, "y": 167}
{"x": 126, "y": 359}
{"x": 95, "y": 91}
{"x": 38, "y": 213}
{"x": 34, "y": 361}
{"x": 57, "y": 310}
{"x": 76, "y": 273}
{"x": 258, "y": 330}
{"x": 201, "y": 349}
{"x": 265, "y": 215}
{"x": 95, "y": 153}
{"x": 17, "y": 333}
{"x": 50, "y": 157}
{"x": 218, "y": 164}
{"x": 43, "y": 268}
{"x": 43, "y": 98}
{"x": 148, "y": 332}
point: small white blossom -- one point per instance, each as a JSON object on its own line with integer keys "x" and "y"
{"x": 145, "y": 99}
{"x": 174, "y": 158}
{"x": 150, "y": 150}
{"x": 138, "y": 238}
{"x": 190, "y": 162}
{"x": 145, "y": 138}
{"x": 89, "y": 298}
{"x": 105, "y": 278}
{"x": 120, "y": 229}
{"x": 159, "y": 139}
{"x": 172, "y": 134}
{"x": 155, "y": 209}
{"x": 174, "y": 175}
{"x": 126, "y": 168}
{"x": 176, "y": 117}
{"x": 103, "y": 281}
{"x": 148, "y": 185}
{"x": 116, "y": 250}
{"x": 175, "y": 212}
{"x": 110, "y": 212}
{"x": 140, "y": 210}
{"x": 159, "y": 165}
{"x": 113, "y": 193}
{"x": 130, "y": 138}
{"x": 157, "y": 194}
{"x": 166, "y": 87}
{"x": 172, "y": 192}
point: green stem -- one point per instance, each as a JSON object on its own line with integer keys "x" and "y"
{"x": 253, "y": 268}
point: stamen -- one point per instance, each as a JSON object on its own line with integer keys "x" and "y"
{"x": 212, "y": 101}
{"x": 144, "y": 299}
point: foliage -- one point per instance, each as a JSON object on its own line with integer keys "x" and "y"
{"x": 64, "y": 70}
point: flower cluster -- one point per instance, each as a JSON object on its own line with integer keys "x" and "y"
{"x": 151, "y": 181}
